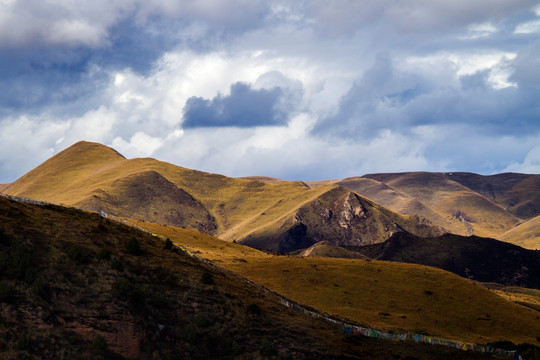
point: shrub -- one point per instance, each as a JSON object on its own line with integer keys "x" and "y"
{"x": 133, "y": 293}
{"x": 78, "y": 254}
{"x": 267, "y": 348}
{"x": 168, "y": 244}
{"x": 158, "y": 300}
{"x": 24, "y": 342}
{"x": 189, "y": 334}
{"x": 117, "y": 265}
{"x": 99, "y": 343}
{"x": 201, "y": 321}
{"x": 7, "y": 294}
{"x": 41, "y": 289}
{"x": 254, "y": 309}
{"x": 20, "y": 262}
{"x": 133, "y": 247}
{"x": 104, "y": 254}
{"x": 207, "y": 278}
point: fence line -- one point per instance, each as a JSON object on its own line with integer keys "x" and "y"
{"x": 344, "y": 327}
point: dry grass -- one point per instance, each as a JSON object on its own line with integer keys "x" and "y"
{"x": 445, "y": 197}
{"x": 386, "y": 295}
{"x": 526, "y": 235}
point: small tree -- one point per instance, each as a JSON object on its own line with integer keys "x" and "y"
{"x": 168, "y": 244}
{"x": 133, "y": 247}
{"x": 207, "y": 278}
{"x": 99, "y": 343}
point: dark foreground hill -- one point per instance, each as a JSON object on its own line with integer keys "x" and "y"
{"x": 74, "y": 285}
{"x": 472, "y": 257}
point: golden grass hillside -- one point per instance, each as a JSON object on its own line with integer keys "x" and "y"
{"x": 453, "y": 201}
{"x": 334, "y": 214}
{"x": 386, "y": 295}
{"x": 89, "y": 172}
{"x": 95, "y": 177}
{"x": 400, "y": 203}
{"x": 526, "y": 235}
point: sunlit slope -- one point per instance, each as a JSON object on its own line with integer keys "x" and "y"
{"x": 72, "y": 169}
{"x": 96, "y": 177}
{"x": 336, "y": 215}
{"x": 386, "y": 295}
{"x": 526, "y": 235}
{"x": 400, "y": 203}
{"x": 516, "y": 193}
{"x": 452, "y": 200}
{"x": 264, "y": 213}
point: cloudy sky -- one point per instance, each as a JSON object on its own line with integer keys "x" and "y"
{"x": 305, "y": 90}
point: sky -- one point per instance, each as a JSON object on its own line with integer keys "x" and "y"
{"x": 298, "y": 90}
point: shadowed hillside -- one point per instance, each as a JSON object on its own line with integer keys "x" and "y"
{"x": 475, "y": 258}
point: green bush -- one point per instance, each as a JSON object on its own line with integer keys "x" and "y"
{"x": 20, "y": 262}
{"x": 7, "y": 293}
{"x": 254, "y": 309}
{"x": 133, "y": 247}
{"x": 117, "y": 265}
{"x": 201, "y": 320}
{"x": 158, "y": 300}
{"x": 24, "y": 342}
{"x": 41, "y": 289}
{"x": 104, "y": 254}
{"x": 78, "y": 254}
{"x": 207, "y": 278}
{"x": 189, "y": 334}
{"x": 99, "y": 343}
{"x": 133, "y": 293}
{"x": 267, "y": 348}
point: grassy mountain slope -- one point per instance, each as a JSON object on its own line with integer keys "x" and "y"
{"x": 452, "y": 200}
{"x": 261, "y": 213}
{"x": 473, "y": 257}
{"x": 526, "y": 234}
{"x": 516, "y": 193}
{"x": 335, "y": 214}
{"x": 400, "y": 203}
{"x": 387, "y": 295}
{"x": 95, "y": 175}
{"x": 71, "y": 286}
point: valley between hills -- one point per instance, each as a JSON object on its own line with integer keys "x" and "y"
{"x": 447, "y": 255}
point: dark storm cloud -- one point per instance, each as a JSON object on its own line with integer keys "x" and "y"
{"x": 244, "y": 107}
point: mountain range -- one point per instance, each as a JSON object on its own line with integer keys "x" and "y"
{"x": 336, "y": 246}
{"x": 286, "y": 216}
